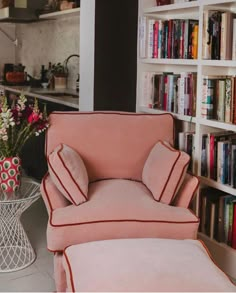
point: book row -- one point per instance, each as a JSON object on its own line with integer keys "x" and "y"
{"x": 171, "y": 92}
{"x": 219, "y": 35}
{"x": 174, "y": 38}
{"x": 218, "y": 98}
{"x": 218, "y": 157}
{"x": 218, "y": 216}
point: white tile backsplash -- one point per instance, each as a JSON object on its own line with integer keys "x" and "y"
{"x": 49, "y": 41}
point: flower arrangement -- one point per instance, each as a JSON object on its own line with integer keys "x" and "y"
{"x": 18, "y": 123}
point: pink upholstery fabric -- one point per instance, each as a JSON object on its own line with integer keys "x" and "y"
{"x": 186, "y": 191}
{"x": 59, "y": 273}
{"x": 68, "y": 173}
{"x": 146, "y": 265}
{"x": 118, "y": 209}
{"x": 112, "y": 144}
{"x": 164, "y": 171}
{"x": 52, "y": 197}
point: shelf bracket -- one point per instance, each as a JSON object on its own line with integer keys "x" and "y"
{"x": 14, "y": 41}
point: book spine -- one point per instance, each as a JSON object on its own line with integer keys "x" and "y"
{"x": 228, "y": 92}
{"x": 150, "y": 37}
{"x": 155, "y": 39}
{"x": 181, "y": 96}
{"x": 160, "y": 28}
{"x": 142, "y": 36}
{"x": 234, "y": 40}
{"x": 221, "y": 101}
{"x": 220, "y": 162}
{"x": 234, "y": 227}
{"x": 195, "y": 41}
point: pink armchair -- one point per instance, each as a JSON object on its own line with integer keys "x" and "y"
{"x": 118, "y": 202}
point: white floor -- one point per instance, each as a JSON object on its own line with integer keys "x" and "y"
{"x": 38, "y": 277}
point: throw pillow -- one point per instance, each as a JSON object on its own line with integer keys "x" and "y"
{"x": 164, "y": 171}
{"x": 69, "y": 173}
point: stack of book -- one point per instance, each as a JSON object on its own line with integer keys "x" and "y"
{"x": 218, "y": 161}
{"x": 218, "y": 216}
{"x": 219, "y": 98}
{"x": 174, "y": 38}
{"x": 170, "y": 92}
{"x": 219, "y": 35}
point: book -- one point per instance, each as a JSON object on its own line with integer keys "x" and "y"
{"x": 233, "y": 242}
{"x": 234, "y": 40}
{"x": 226, "y": 36}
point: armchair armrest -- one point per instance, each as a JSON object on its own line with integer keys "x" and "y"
{"x": 51, "y": 195}
{"x": 186, "y": 191}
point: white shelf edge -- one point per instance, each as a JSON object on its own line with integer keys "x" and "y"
{"x": 215, "y": 2}
{"x": 188, "y": 62}
{"x": 217, "y": 185}
{"x": 217, "y": 124}
{"x": 170, "y": 7}
{"x": 219, "y": 63}
{"x": 57, "y": 14}
{"x": 177, "y": 116}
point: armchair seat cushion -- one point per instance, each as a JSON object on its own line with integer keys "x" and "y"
{"x": 118, "y": 208}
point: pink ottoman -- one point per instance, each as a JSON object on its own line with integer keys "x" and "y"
{"x": 142, "y": 265}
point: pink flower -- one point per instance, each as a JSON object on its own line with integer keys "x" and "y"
{"x": 34, "y": 117}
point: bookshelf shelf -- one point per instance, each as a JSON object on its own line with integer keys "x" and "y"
{"x": 217, "y": 185}
{"x": 219, "y": 63}
{"x": 217, "y": 124}
{"x": 60, "y": 14}
{"x": 177, "y": 116}
{"x": 155, "y": 71}
{"x": 185, "y": 62}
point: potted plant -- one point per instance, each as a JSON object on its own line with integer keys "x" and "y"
{"x": 59, "y": 73}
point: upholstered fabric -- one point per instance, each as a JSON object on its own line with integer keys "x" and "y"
{"x": 118, "y": 209}
{"x": 53, "y": 199}
{"x": 146, "y": 265}
{"x": 112, "y": 144}
{"x": 68, "y": 173}
{"x": 164, "y": 171}
{"x": 186, "y": 191}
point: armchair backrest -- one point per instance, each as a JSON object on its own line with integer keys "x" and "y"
{"x": 112, "y": 144}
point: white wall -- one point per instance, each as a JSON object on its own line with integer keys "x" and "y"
{"x": 49, "y": 41}
{"x": 7, "y": 48}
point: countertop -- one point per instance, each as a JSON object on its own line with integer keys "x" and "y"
{"x": 44, "y": 94}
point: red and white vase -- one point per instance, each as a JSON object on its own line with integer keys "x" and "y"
{"x": 10, "y": 174}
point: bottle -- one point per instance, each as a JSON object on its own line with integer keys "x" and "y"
{"x": 77, "y": 84}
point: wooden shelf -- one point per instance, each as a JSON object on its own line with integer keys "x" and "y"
{"x": 59, "y": 14}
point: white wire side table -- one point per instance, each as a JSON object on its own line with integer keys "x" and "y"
{"x": 16, "y": 252}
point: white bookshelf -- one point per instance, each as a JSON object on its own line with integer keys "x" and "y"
{"x": 224, "y": 255}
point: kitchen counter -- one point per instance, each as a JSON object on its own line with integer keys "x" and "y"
{"x": 44, "y": 94}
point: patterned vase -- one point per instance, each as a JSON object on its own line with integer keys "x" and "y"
{"x": 10, "y": 174}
